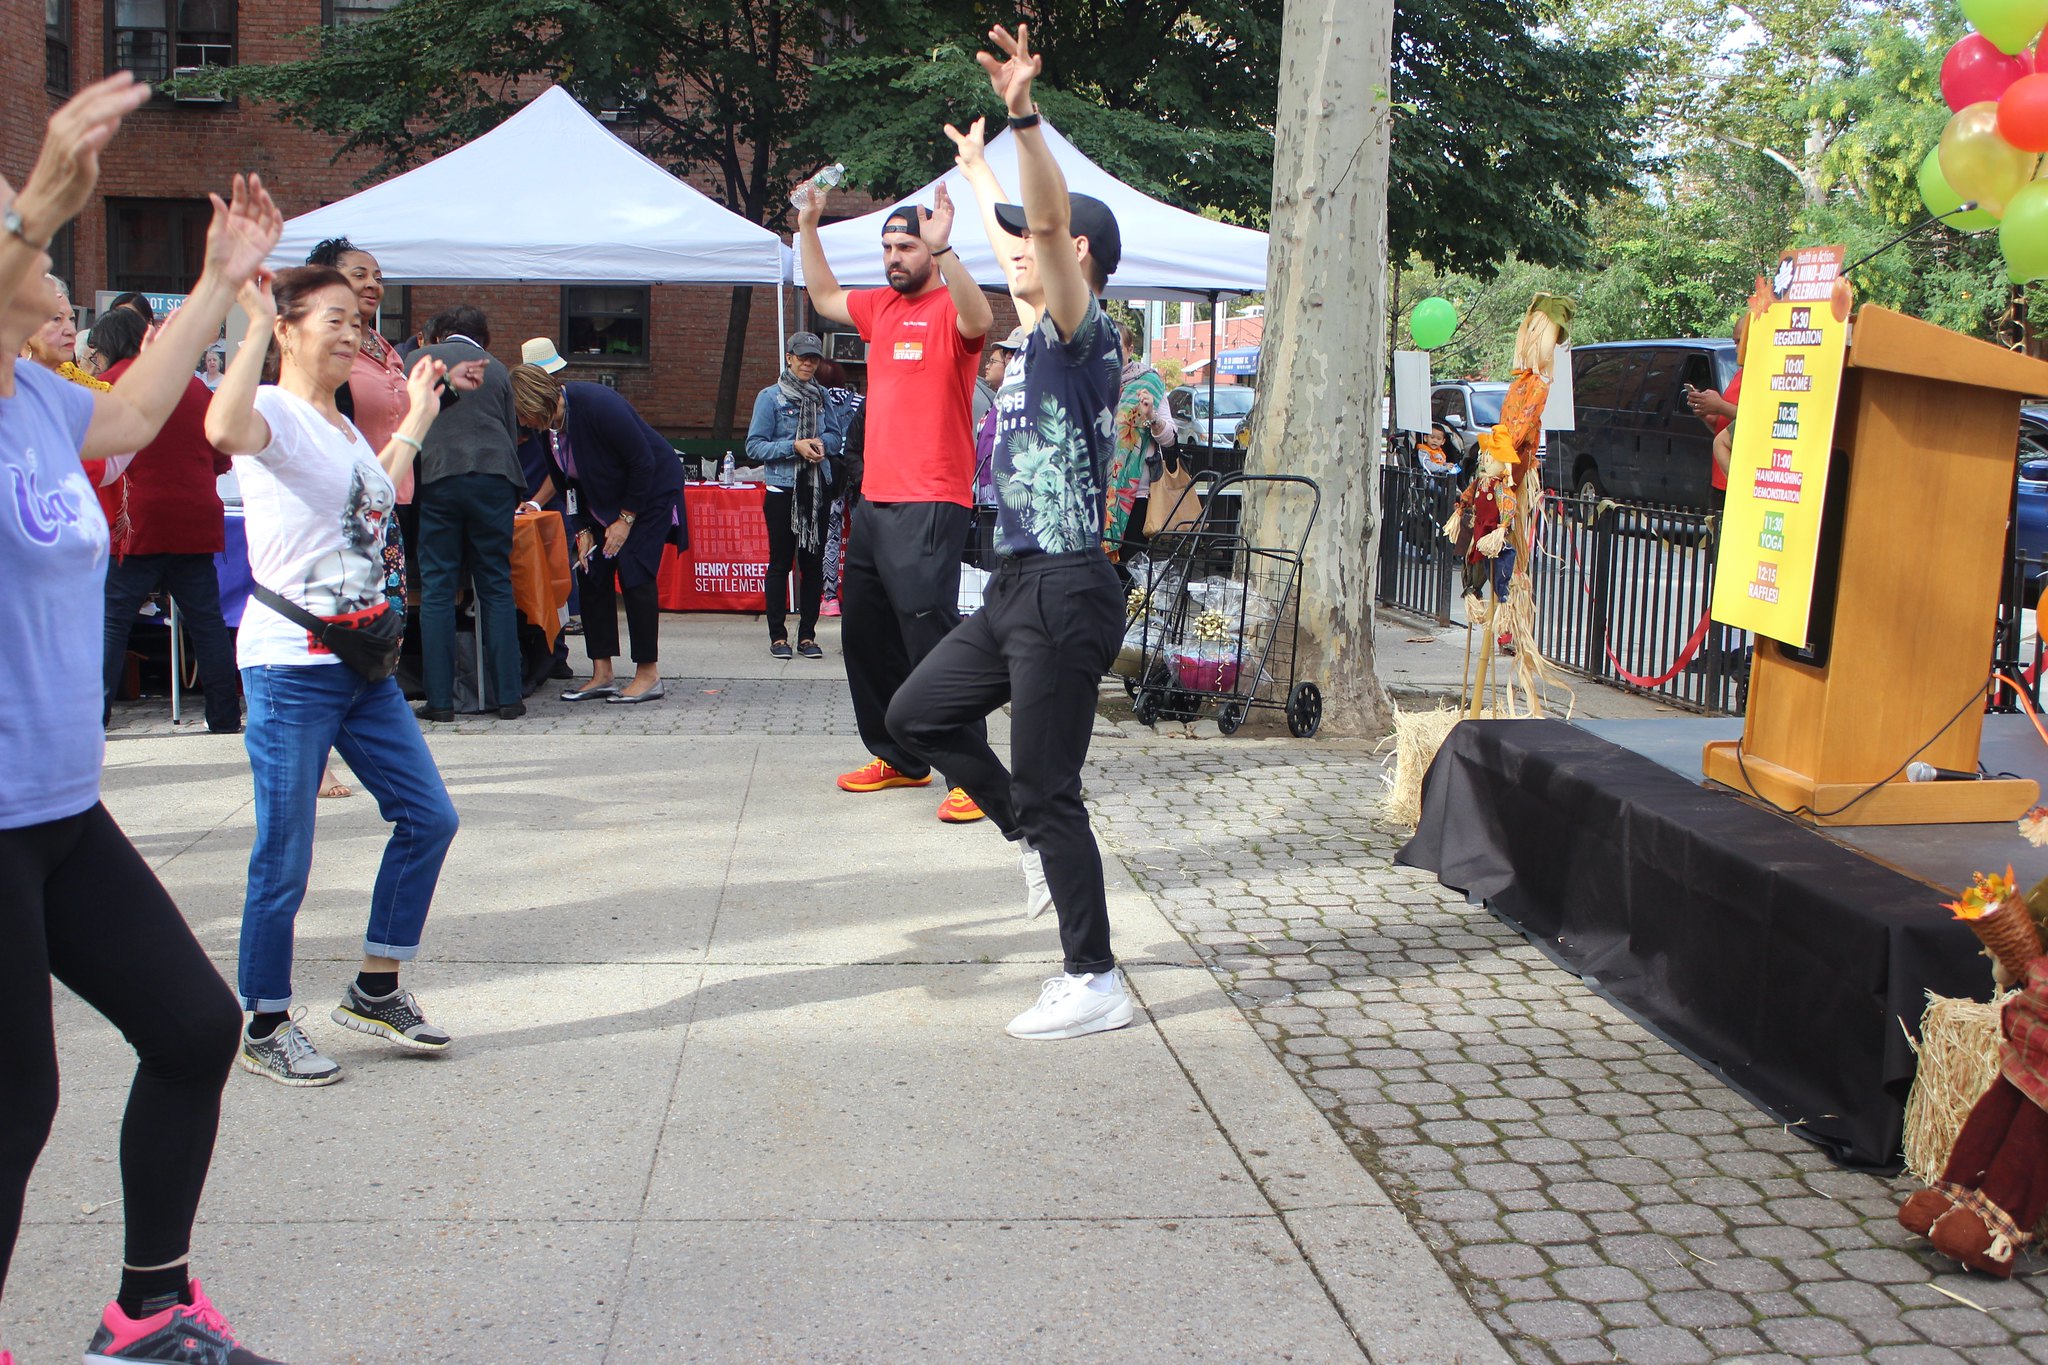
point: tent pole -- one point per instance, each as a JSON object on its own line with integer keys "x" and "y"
{"x": 1213, "y": 296}
{"x": 781, "y": 321}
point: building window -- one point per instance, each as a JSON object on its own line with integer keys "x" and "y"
{"x": 57, "y": 45}
{"x": 157, "y": 39}
{"x": 394, "y": 314}
{"x": 63, "y": 259}
{"x": 156, "y": 245}
{"x": 338, "y": 13}
{"x": 606, "y": 323}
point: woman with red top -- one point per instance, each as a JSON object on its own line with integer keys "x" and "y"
{"x": 174, "y": 531}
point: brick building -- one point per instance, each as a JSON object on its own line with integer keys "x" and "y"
{"x": 145, "y": 228}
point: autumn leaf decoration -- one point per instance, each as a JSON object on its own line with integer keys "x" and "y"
{"x": 1988, "y": 891}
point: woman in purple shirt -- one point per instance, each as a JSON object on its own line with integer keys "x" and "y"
{"x": 77, "y": 902}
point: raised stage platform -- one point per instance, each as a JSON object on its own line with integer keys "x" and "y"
{"x": 1782, "y": 958}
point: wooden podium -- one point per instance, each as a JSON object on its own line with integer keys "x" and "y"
{"x": 1918, "y": 494}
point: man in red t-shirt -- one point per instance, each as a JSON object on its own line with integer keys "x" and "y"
{"x": 901, "y": 585}
{"x": 1717, "y": 410}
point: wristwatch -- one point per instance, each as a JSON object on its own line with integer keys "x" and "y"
{"x": 11, "y": 224}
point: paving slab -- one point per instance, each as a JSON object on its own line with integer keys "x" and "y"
{"x": 730, "y": 1082}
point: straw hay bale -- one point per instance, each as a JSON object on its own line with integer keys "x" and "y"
{"x": 1417, "y": 737}
{"x": 1958, "y": 1051}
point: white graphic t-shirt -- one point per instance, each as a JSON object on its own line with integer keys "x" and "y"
{"x": 318, "y": 506}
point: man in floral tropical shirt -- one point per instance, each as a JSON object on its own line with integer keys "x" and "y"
{"x": 1053, "y": 614}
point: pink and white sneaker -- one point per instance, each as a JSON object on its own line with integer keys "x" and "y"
{"x": 185, "y": 1335}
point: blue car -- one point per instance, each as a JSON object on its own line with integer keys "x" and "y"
{"x": 2031, "y": 498}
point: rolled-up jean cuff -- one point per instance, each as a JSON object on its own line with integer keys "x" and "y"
{"x": 1102, "y": 968}
{"x": 283, "y": 1006}
{"x": 391, "y": 950}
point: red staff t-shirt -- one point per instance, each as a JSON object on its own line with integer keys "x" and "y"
{"x": 920, "y": 440}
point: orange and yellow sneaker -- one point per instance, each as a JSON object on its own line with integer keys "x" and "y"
{"x": 879, "y": 776}
{"x": 959, "y": 809}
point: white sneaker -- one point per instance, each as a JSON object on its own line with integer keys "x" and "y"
{"x": 1069, "y": 1007}
{"x": 1037, "y": 895}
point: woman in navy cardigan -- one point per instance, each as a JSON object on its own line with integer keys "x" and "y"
{"x": 625, "y": 485}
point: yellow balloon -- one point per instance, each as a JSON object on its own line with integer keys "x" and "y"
{"x": 1979, "y": 164}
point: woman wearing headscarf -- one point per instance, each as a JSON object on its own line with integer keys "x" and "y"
{"x": 795, "y": 436}
{"x": 626, "y": 487}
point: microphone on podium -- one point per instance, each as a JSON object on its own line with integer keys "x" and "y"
{"x": 1965, "y": 207}
{"x": 1927, "y": 772}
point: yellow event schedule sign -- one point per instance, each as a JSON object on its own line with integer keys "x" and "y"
{"x": 1784, "y": 435}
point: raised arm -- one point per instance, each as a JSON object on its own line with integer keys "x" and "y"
{"x": 827, "y": 298}
{"x": 66, "y": 169}
{"x": 988, "y": 192}
{"x": 1044, "y": 189}
{"x": 233, "y": 426}
{"x": 970, "y": 305}
{"x": 242, "y": 233}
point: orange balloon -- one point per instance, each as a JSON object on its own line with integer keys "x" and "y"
{"x": 2023, "y": 113}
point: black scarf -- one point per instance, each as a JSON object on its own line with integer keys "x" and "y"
{"x": 807, "y": 499}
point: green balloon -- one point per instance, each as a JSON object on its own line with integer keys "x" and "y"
{"x": 1939, "y": 199}
{"x": 1432, "y": 323}
{"x": 2023, "y": 235}
{"x": 2008, "y": 25}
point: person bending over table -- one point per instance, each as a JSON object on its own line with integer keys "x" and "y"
{"x": 625, "y": 487}
{"x": 796, "y": 436}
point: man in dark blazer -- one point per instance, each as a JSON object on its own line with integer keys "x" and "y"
{"x": 470, "y": 486}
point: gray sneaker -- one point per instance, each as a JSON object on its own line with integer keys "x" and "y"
{"x": 287, "y": 1057}
{"x": 395, "y": 1018}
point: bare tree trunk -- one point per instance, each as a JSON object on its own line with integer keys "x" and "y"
{"x": 735, "y": 355}
{"x": 1321, "y": 359}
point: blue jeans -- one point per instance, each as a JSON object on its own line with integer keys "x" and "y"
{"x": 466, "y": 537}
{"x": 296, "y": 713}
{"x": 196, "y": 590}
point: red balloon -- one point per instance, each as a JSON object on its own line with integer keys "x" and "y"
{"x": 2023, "y": 113}
{"x": 1975, "y": 71}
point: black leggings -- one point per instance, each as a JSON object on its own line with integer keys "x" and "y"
{"x": 783, "y": 554}
{"x": 78, "y": 903}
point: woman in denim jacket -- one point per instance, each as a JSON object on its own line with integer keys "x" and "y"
{"x": 796, "y": 436}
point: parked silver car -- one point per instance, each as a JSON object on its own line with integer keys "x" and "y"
{"x": 1189, "y": 405}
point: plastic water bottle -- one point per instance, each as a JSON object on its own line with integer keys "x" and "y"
{"x": 725, "y": 468}
{"x": 817, "y": 185}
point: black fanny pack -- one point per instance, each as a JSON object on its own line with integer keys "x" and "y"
{"x": 369, "y": 645}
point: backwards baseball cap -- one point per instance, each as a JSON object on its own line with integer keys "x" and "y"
{"x": 1087, "y": 217}
{"x": 1016, "y": 339}
{"x": 805, "y": 343}
{"x": 905, "y": 218}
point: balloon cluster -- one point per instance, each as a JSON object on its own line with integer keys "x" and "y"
{"x": 1996, "y": 83}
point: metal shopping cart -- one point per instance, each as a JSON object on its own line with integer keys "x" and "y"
{"x": 1216, "y": 619}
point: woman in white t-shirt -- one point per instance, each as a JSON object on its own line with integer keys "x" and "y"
{"x": 318, "y": 502}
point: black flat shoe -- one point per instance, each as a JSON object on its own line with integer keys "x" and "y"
{"x": 809, "y": 649}
{"x": 654, "y": 693}
{"x": 779, "y": 649}
{"x": 435, "y": 713}
{"x": 598, "y": 693}
{"x": 512, "y": 712}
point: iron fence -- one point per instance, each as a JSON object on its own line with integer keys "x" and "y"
{"x": 1622, "y": 590}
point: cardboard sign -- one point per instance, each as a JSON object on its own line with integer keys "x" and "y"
{"x": 1411, "y": 391}
{"x": 1784, "y": 438}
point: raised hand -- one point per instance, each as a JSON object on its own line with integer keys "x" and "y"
{"x": 423, "y": 385}
{"x": 968, "y": 146}
{"x": 936, "y": 228}
{"x": 1010, "y": 76}
{"x": 258, "y": 302}
{"x": 810, "y": 206}
{"x": 69, "y": 164}
{"x": 244, "y": 231}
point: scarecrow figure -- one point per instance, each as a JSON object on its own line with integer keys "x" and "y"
{"x": 1479, "y": 529}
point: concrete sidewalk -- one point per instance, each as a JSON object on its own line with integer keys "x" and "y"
{"x": 730, "y": 1083}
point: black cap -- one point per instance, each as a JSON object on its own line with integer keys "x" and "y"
{"x": 904, "y": 218}
{"x": 805, "y": 343}
{"x": 1087, "y": 217}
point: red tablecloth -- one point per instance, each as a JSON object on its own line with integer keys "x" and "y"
{"x": 727, "y": 562}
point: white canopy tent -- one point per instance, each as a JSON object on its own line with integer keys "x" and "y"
{"x": 550, "y": 195}
{"x": 1168, "y": 252}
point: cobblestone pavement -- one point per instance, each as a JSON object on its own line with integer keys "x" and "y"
{"x": 1598, "y": 1195}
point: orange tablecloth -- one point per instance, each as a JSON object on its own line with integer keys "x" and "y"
{"x": 726, "y": 566}
{"x": 540, "y": 569}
